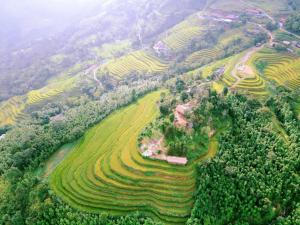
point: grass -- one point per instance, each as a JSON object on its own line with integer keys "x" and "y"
{"x": 112, "y": 50}
{"x": 56, "y": 158}
{"x": 106, "y": 173}
{"x": 218, "y": 86}
{"x": 138, "y": 61}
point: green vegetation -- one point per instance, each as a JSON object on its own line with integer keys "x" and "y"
{"x": 293, "y": 23}
{"x": 255, "y": 176}
{"x": 183, "y": 33}
{"x": 56, "y": 158}
{"x": 113, "y": 50}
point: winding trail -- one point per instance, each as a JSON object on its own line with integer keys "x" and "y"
{"x": 243, "y": 60}
{"x": 93, "y": 69}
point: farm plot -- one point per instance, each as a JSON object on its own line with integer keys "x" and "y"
{"x": 202, "y": 56}
{"x": 10, "y": 110}
{"x": 54, "y": 88}
{"x": 106, "y": 173}
{"x": 181, "y": 35}
{"x": 284, "y": 69}
{"x": 136, "y": 61}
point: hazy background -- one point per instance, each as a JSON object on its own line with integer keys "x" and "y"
{"x": 24, "y": 20}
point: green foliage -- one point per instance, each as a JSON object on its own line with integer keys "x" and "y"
{"x": 293, "y": 23}
{"x": 260, "y": 38}
{"x": 254, "y": 179}
{"x": 180, "y": 85}
{"x": 261, "y": 66}
{"x": 271, "y": 26}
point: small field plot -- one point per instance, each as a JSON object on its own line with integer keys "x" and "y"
{"x": 202, "y": 56}
{"x": 11, "y": 109}
{"x": 106, "y": 173}
{"x": 51, "y": 90}
{"x": 182, "y": 34}
{"x": 138, "y": 61}
{"x": 111, "y": 50}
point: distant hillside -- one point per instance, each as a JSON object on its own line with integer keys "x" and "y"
{"x": 26, "y": 64}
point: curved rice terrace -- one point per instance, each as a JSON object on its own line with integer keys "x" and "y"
{"x": 204, "y": 54}
{"x": 136, "y": 61}
{"x": 106, "y": 173}
{"x": 10, "y": 110}
{"x": 51, "y": 90}
{"x": 179, "y": 36}
{"x": 282, "y": 68}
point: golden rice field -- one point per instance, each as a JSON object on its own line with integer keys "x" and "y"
{"x": 284, "y": 69}
{"x": 180, "y": 35}
{"x": 10, "y": 110}
{"x": 50, "y": 90}
{"x": 204, "y": 54}
{"x": 254, "y": 85}
{"x": 106, "y": 173}
{"x": 138, "y": 61}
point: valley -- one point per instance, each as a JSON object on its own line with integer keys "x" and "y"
{"x": 152, "y": 113}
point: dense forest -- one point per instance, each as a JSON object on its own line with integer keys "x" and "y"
{"x": 254, "y": 179}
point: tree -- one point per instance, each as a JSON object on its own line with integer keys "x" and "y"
{"x": 293, "y": 23}
{"x": 271, "y": 26}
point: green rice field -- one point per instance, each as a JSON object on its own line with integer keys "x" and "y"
{"x": 106, "y": 173}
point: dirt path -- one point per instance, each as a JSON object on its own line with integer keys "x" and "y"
{"x": 93, "y": 69}
{"x": 241, "y": 65}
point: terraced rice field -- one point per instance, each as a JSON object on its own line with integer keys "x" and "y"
{"x": 180, "y": 36}
{"x": 11, "y": 110}
{"x": 282, "y": 68}
{"x": 106, "y": 173}
{"x": 254, "y": 85}
{"x": 51, "y": 90}
{"x": 204, "y": 54}
{"x": 228, "y": 63}
{"x": 136, "y": 61}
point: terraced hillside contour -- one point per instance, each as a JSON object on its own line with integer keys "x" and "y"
{"x": 283, "y": 68}
{"x": 11, "y": 110}
{"x": 180, "y": 35}
{"x": 136, "y": 61}
{"x": 106, "y": 173}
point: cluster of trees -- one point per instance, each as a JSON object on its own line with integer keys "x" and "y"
{"x": 254, "y": 179}
{"x": 294, "y": 4}
{"x": 293, "y": 23}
